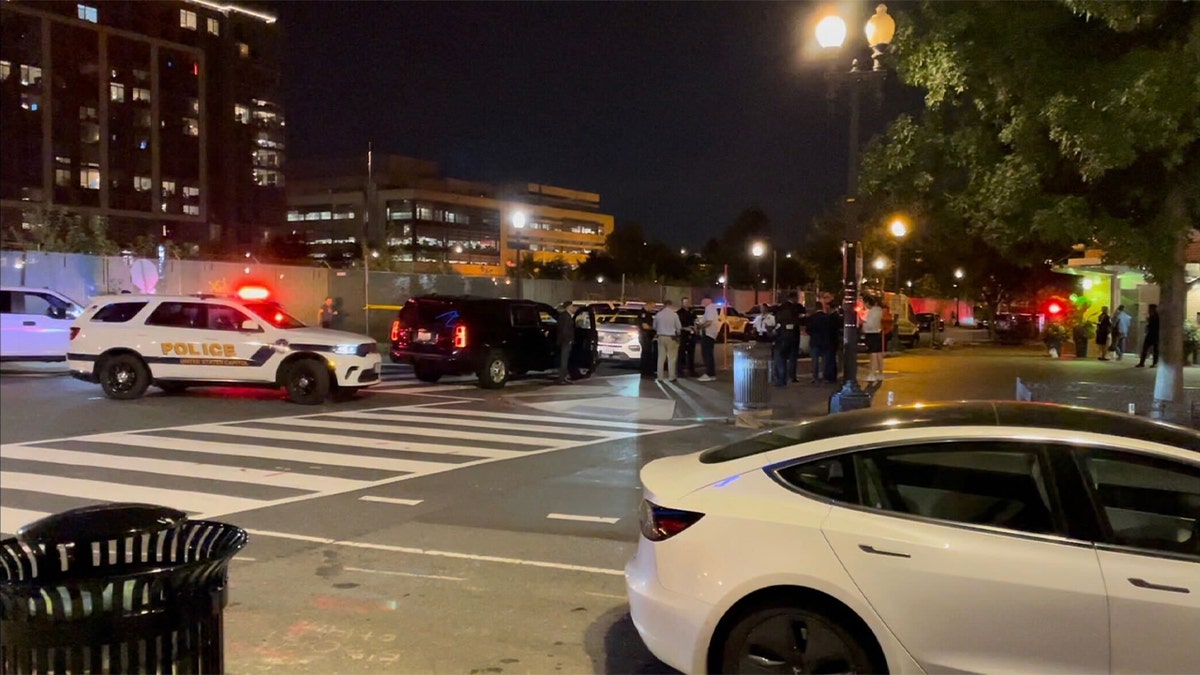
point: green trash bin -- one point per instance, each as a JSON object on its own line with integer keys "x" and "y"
{"x": 117, "y": 588}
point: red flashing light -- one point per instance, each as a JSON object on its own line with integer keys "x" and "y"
{"x": 460, "y": 337}
{"x": 1054, "y": 308}
{"x": 395, "y": 335}
{"x": 278, "y": 318}
{"x": 253, "y": 293}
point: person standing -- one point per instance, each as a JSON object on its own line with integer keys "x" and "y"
{"x": 793, "y": 358}
{"x": 566, "y": 336}
{"x": 646, "y": 338}
{"x": 819, "y": 347}
{"x": 787, "y": 321}
{"x": 326, "y": 314}
{"x": 1103, "y": 329}
{"x": 837, "y": 327}
{"x": 872, "y": 326}
{"x": 667, "y": 327}
{"x": 687, "y": 339}
{"x": 1150, "y": 342}
{"x": 1122, "y": 322}
{"x": 710, "y": 325}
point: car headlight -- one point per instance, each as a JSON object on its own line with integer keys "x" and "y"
{"x": 346, "y": 349}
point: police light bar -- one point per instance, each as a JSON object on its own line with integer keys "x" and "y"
{"x": 253, "y": 293}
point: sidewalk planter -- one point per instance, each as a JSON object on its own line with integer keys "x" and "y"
{"x": 117, "y": 588}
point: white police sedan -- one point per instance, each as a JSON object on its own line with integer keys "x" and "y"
{"x": 969, "y": 537}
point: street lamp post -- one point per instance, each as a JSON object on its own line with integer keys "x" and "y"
{"x": 898, "y": 229}
{"x": 831, "y": 33}
{"x": 958, "y": 274}
{"x": 518, "y": 220}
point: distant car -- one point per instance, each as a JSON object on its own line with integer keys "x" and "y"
{"x": 959, "y": 537}
{"x": 128, "y": 342}
{"x": 1014, "y": 328}
{"x": 619, "y": 336}
{"x": 733, "y": 323}
{"x": 924, "y": 321}
{"x": 35, "y": 324}
{"x": 493, "y": 338}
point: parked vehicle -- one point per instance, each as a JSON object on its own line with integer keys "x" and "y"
{"x": 494, "y": 338}
{"x": 1015, "y": 328}
{"x": 924, "y": 321}
{"x": 35, "y": 324}
{"x": 619, "y": 336}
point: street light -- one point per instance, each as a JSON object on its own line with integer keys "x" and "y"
{"x": 758, "y": 249}
{"x": 899, "y": 230}
{"x": 831, "y": 33}
{"x": 958, "y": 274}
{"x": 518, "y": 220}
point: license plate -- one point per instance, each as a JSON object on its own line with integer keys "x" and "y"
{"x": 424, "y": 336}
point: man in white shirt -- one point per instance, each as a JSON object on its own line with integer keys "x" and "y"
{"x": 710, "y": 324}
{"x": 667, "y": 327}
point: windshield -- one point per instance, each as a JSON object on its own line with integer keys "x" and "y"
{"x": 619, "y": 319}
{"x": 273, "y": 314}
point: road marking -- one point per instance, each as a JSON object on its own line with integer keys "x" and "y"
{"x": 245, "y": 558}
{"x": 12, "y": 519}
{"x": 391, "y": 500}
{"x": 485, "y": 424}
{"x": 286, "y": 479}
{"x": 274, "y": 435}
{"x": 582, "y": 519}
{"x": 402, "y": 430}
{"x": 606, "y": 595}
{"x": 404, "y": 574}
{"x": 559, "y": 419}
{"x": 441, "y": 554}
{"x": 196, "y": 502}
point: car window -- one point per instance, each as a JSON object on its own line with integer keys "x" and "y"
{"x": 524, "y": 316}
{"x": 1149, "y": 503}
{"x": 118, "y": 312}
{"x": 6, "y": 302}
{"x": 831, "y": 477}
{"x": 547, "y": 317}
{"x": 179, "y": 315}
{"x": 221, "y": 317}
{"x": 583, "y": 319}
{"x": 31, "y": 303}
{"x": 1001, "y": 484}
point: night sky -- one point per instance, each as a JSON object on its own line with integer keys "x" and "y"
{"x": 679, "y": 114}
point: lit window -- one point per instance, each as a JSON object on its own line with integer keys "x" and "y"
{"x": 86, "y": 13}
{"x": 241, "y": 113}
{"x": 191, "y": 126}
{"x": 62, "y": 177}
{"x": 89, "y": 178}
{"x": 187, "y": 19}
{"x": 243, "y": 50}
{"x": 191, "y": 209}
{"x": 312, "y": 215}
{"x": 140, "y": 94}
{"x": 295, "y": 215}
{"x": 214, "y": 27}
{"x": 116, "y": 92}
{"x": 191, "y": 191}
{"x": 87, "y": 112}
{"x": 5, "y": 70}
{"x": 141, "y": 183}
{"x": 31, "y": 75}
{"x": 424, "y": 213}
{"x": 168, "y": 187}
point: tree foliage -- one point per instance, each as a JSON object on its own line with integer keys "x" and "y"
{"x": 64, "y": 231}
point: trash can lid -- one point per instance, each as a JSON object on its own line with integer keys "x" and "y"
{"x": 99, "y": 522}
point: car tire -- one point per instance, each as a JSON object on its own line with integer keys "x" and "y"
{"x": 753, "y": 644}
{"x": 583, "y": 372}
{"x": 307, "y": 382}
{"x": 494, "y": 372}
{"x": 171, "y": 387}
{"x": 124, "y": 377}
{"x": 426, "y": 372}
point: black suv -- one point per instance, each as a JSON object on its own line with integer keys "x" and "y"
{"x": 495, "y": 338}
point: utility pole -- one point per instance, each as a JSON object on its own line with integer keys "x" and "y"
{"x": 366, "y": 245}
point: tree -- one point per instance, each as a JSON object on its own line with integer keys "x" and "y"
{"x": 1073, "y": 121}
{"x": 57, "y": 229}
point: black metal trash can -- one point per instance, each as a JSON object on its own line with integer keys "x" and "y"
{"x": 117, "y": 588}
{"x": 751, "y": 378}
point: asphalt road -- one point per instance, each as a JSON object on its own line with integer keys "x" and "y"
{"x": 428, "y": 528}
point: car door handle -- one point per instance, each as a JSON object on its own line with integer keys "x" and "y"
{"x": 1142, "y": 583}
{"x": 28, "y": 323}
{"x": 867, "y": 548}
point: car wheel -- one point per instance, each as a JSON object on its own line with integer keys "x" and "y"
{"x": 494, "y": 372}
{"x": 583, "y": 372}
{"x": 171, "y": 387}
{"x": 307, "y": 382}
{"x": 124, "y": 377}
{"x": 426, "y": 372}
{"x": 783, "y": 639}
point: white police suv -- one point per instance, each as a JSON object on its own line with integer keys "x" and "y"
{"x": 128, "y": 342}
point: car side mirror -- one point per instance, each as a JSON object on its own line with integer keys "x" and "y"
{"x": 251, "y": 327}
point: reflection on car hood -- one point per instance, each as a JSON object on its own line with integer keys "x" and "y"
{"x": 323, "y": 336}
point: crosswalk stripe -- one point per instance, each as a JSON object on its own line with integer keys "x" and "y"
{"x": 436, "y": 433}
{"x": 567, "y": 422}
{"x": 287, "y": 479}
{"x": 12, "y": 519}
{"x": 238, "y": 448}
{"x": 197, "y": 502}
{"x": 486, "y": 424}
{"x": 272, "y": 435}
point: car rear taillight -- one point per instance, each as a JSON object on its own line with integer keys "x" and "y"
{"x": 395, "y": 330}
{"x": 74, "y": 331}
{"x": 659, "y": 523}
{"x": 460, "y": 337}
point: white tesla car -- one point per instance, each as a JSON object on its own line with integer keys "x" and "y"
{"x": 965, "y": 537}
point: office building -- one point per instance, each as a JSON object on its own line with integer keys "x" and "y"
{"x": 411, "y": 214}
{"x": 161, "y": 117}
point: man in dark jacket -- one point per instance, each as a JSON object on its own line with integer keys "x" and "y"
{"x": 687, "y": 339}
{"x": 787, "y": 340}
{"x": 648, "y": 339}
{"x": 819, "y": 343}
{"x": 1150, "y": 342}
{"x": 566, "y": 336}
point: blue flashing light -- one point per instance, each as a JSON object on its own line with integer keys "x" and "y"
{"x": 33, "y": 106}
{"x": 726, "y": 481}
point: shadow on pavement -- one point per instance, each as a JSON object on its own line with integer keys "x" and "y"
{"x": 615, "y": 646}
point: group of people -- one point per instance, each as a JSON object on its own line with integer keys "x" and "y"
{"x": 669, "y": 337}
{"x": 1112, "y": 333}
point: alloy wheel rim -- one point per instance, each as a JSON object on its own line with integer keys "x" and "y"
{"x": 497, "y": 370}
{"x": 122, "y": 378}
{"x": 794, "y": 643}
